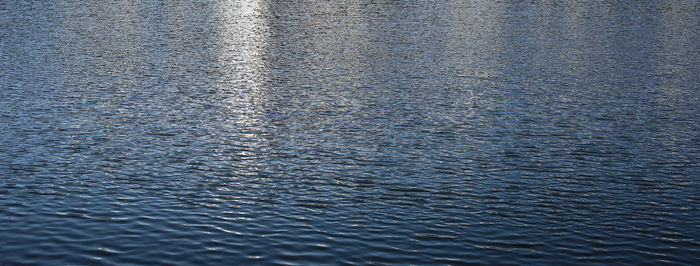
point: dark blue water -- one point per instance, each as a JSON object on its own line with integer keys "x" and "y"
{"x": 333, "y": 132}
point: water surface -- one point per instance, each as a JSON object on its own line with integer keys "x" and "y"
{"x": 307, "y": 132}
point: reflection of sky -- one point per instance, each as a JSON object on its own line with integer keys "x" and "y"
{"x": 679, "y": 44}
{"x": 676, "y": 71}
{"x": 357, "y": 59}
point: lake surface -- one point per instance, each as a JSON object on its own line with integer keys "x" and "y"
{"x": 334, "y": 132}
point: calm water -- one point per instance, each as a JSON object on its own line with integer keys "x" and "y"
{"x": 306, "y": 132}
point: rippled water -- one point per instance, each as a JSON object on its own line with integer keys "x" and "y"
{"x": 305, "y": 132}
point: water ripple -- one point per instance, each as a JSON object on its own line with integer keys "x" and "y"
{"x": 349, "y": 132}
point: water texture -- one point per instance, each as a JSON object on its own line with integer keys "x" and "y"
{"x": 334, "y": 132}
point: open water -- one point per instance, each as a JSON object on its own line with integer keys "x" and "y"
{"x": 334, "y": 132}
